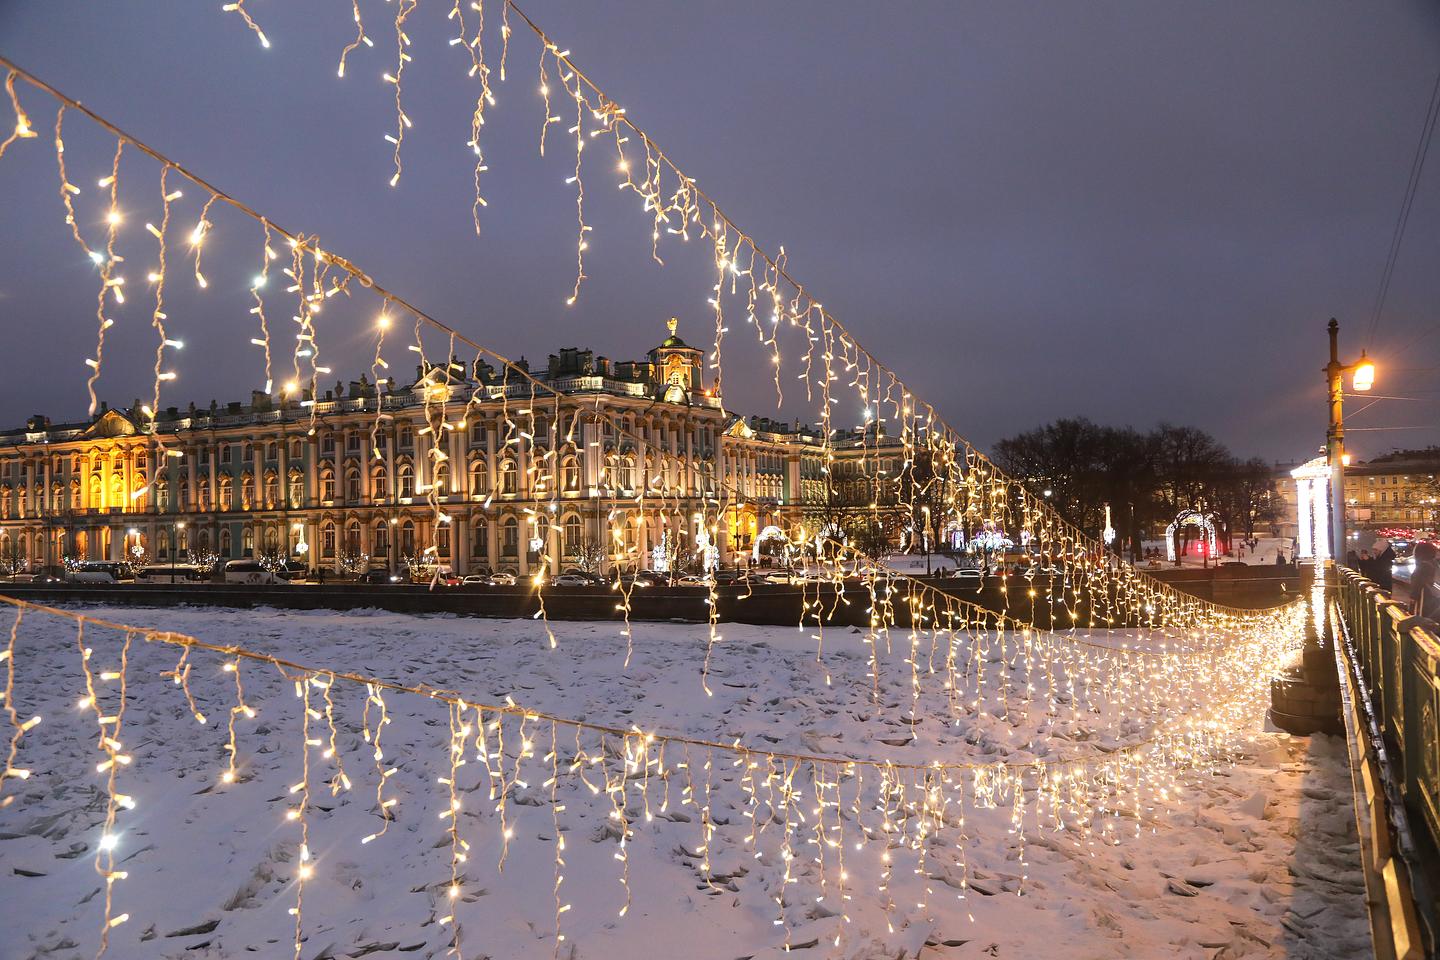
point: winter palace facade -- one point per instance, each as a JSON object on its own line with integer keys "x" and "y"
{"x": 523, "y": 472}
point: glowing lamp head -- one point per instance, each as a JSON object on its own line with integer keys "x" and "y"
{"x": 1364, "y": 376}
{"x": 1345, "y": 459}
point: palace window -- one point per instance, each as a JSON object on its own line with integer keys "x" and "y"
{"x": 480, "y": 539}
{"x": 406, "y": 477}
{"x": 225, "y": 542}
{"x": 570, "y": 475}
{"x": 227, "y": 494}
{"x": 572, "y": 536}
{"x": 297, "y": 489}
{"x": 327, "y": 484}
{"x": 407, "y": 538}
{"x": 509, "y": 537}
{"x": 247, "y": 492}
{"x": 352, "y": 538}
{"x": 327, "y": 540}
{"x": 352, "y": 486}
{"x": 247, "y": 541}
{"x": 509, "y": 477}
{"x": 477, "y": 479}
{"x": 382, "y": 538}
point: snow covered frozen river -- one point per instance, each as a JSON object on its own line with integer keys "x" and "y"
{"x": 1256, "y": 858}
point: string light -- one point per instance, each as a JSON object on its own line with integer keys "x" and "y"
{"x": 1203, "y": 658}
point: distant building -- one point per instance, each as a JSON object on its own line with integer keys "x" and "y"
{"x": 1397, "y": 490}
{"x": 520, "y": 469}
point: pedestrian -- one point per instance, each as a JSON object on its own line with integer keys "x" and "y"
{"x": 1424, "y": 594}
{"x": 1383, "y": 565}
{"x": 320, "y": 575}
{"x": 1352, "y": 559}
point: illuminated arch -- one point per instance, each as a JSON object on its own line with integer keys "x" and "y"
{"x": 1191, "y": 518}
{"x": 769, "y": 533}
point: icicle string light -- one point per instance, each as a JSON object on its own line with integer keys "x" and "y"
{"x": 943, "y": 622}
{"x": 971, "y": 479}
{"x": 1266, "y": 649}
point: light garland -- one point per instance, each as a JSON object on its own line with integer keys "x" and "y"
{"x": 1138, "y": 680}
{"x": 908, "y": 811}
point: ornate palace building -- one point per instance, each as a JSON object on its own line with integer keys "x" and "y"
{"x": 488, "y": 470}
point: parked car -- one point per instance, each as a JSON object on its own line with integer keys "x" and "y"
{"x": 502, "y": 579}
{"x": 170, "y": 573}
{"x": 571, "y": 580}
{"x": 693, "y": 580}
{"x": 476, "y": 580}
{"x": 98, "y": 571}
{"x": 252, "y": 572}
{"x": 379, "y": 576}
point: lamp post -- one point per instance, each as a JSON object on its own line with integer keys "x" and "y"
{"x": 1363, "y": 378}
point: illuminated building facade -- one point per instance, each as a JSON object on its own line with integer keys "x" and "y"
{"x": 526, "y": 472}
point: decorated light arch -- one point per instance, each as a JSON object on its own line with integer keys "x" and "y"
{"x": 1191, "y": 518}
{"x": 769, "y": 533}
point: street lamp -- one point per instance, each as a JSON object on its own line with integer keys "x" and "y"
{"x": 1362, "y": 374}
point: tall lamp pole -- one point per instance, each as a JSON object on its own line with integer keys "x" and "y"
{"x": 1363, "y": 373}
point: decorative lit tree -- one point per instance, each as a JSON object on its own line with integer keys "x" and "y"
{"x": 204, "y": 560}
{"x": 352, "y": 563}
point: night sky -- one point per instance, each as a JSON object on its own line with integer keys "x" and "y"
{"x": 1128, "y": 211}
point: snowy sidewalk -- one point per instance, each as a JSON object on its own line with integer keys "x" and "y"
{"x": 1256, "y": 859}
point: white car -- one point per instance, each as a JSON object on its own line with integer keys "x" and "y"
{"x": 251, "y": 571}
{"x": 571, "y": 580}
{"x": 502, "y": 579}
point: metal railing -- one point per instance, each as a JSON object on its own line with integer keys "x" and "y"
{"x": 1392, "y": 662}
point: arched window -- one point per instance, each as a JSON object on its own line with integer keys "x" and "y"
{"x": 407, "y": 437}
{"x": 352, "y": 485}
{"x": 442, "y": 539}
{"x": 352, "y": 537}
{"x": 297, "y": 489}
{"x": 272, "y": 539}
{"x": 97, "y": 492}
{"x": 406, "y": 478}
{"x": 382, "y": 538}
{"x": 627, "y": 472}
{"x": 162, "y": 494}
{"x": 509, "y": 477}
{"x": 227, "y": 494}
{"x": 272, "y": 487}
{"x": 247, "y": 541}
{"x": 442, "y": 479}
{"x": 570, "y": 475}
{"x": 509, "y": 537}
{"x": 163, "y": 544}
{"x": 572, "y": 536}
{"x": 117, "y": 489}
{"x": 297, "y": 450}
{"x": 407, "y": 538}
{"x": 480, "y": 539}
{"x": 182, "y": 540}
{"x": 327, "y": 540}
{"x": 379, "y": 487}
{"x": 204, "y": 494}
{"x": 327, "y": 484}
{"x": 225, "y": 542}
{"x": 247, "y": 491}
{"x": 478, "y": 490}
{"x": 75, "y": 499}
